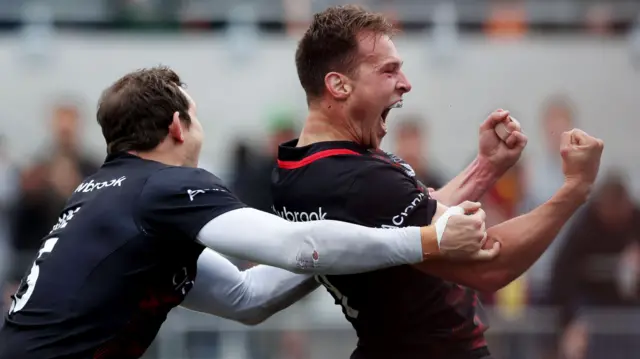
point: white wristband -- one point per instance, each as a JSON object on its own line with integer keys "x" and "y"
{"x": 441, "y": 223}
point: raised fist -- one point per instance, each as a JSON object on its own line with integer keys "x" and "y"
{"x": 581, "y": 155}
{"x": 464, "y": 233}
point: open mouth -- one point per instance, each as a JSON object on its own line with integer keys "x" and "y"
{"x": 386, "y": 111}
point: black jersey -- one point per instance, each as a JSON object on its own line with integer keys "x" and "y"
{"x": 398, "y": 312}
{"x": 122, "y": 255}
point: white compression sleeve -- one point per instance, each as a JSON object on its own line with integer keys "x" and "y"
{"x": 325, "y": 247}
{"x": 249, "y": 296}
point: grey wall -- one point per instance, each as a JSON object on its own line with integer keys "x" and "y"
{"x": 233, "y": 95}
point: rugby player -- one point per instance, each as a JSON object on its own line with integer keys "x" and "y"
{"x": 352, "y": 76}
{"x": 128, "y": 245}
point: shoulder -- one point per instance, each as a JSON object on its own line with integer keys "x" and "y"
{"x": 384, "y": 194}
{"x": 355, "y": 174}
{"x": 172, "y": 182}
{"x": 181, "y": 178}
{"x": 179, "y": 201}
{"x": 379, "y": 177}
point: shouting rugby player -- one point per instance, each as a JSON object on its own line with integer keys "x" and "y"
{"x": 352, "y": 76}
{"x": 130, "y": 241}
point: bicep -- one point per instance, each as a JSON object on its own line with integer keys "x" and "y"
{"x": 254, "y": 235}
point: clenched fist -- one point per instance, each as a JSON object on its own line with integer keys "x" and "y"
{"x": 464, "y": 233}
{"x": 501, "y": 153}
{"x": 581, "y": 155}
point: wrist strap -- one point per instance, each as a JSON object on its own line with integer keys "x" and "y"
{"x": 441, "y": 223}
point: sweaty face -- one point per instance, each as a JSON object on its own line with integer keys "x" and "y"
{"x": 193, "y": 135}
{"x": 377, "y": 86}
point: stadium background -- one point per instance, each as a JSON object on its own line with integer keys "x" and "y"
{"x": 553, "y": 64}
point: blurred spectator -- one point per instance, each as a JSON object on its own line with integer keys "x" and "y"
{"x": 44, "y": 188}
{"x": 545, "y": 177}
{"x": 599, "y": 266}
{"x": 504, "y": 200}
{"x": 8, "y": 186}
{"x": 66, "y": 127}
{"x": 412, "y": 146}
{"x": 297, "y": 14}
{"x": 32, "y": 216}
{"x": 599, "y": 19}
{"x": 253, "y": 183}
{"x": 240, "y": 161}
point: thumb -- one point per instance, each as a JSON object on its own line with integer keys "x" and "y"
{"x": 470, "y": 207}
{"x": 564, "y": 151}
{"x": 494, "y": 118}
{"x": 487, "y": 254}
{"x": 566, "y": 138}
{"x": 580, "y": 138}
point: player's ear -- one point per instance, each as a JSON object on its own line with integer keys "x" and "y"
{"x": 175, "y": 128}
{"x": 337, "y": 85}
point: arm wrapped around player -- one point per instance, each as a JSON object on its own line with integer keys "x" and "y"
{"x": 249, "y": 296}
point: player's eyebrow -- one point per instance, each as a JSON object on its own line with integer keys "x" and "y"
{"x": 391, "y": 64}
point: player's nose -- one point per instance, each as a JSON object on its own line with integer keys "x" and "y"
{"x": 403, "y": 84}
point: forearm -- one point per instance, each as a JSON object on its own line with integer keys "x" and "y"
{"x": 325, "y": 247}
{"x": 275, "y": 289}
{"x": 272, "y": 290}
{"x": 469, "y": 185}
{"x": 249, "y": 297}
{"x": 523, "y": 240}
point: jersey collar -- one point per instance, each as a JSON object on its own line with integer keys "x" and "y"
{"x": 292, "y": 157}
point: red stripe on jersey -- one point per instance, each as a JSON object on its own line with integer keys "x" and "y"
{"x": 290, "y": 165}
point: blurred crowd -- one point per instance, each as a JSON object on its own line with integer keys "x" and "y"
{"x": 493, "y": 17}
{"x": 33, "y": 196}
{"x": 594, "y": 263}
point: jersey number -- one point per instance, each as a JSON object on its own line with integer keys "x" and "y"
{"x": 28, "y": 284}
{"x": 344, "y": 301}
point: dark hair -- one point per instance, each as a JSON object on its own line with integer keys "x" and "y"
{"x": 136, "y": 111}
{"x": 331, "y": 44}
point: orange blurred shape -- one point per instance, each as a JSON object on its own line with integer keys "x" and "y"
{"x": 506, "y": 20}
{"x": 507, "y": 193}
